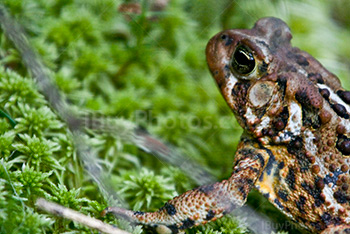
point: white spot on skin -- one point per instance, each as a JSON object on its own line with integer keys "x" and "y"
{"x": 229, "y": 84}
{"x": 328, "y": 192}
{"x": 302, "y": 72}
{"x": 309, "y": 144}
{"x": 295, "y": 119}
{"x": 334, "y": 97}
{"x": 266, "y": 53}
{"x": 323, "y": 170}
{"x": 276, "y": 102}
{"x": 293, "y": 127}
{"x": 225, "y": 61}
{"x": 345, "y": 122}
{"x": 250, "y": 116}
{"x": 227, "y": 90}
{"x": 265, "y": 123}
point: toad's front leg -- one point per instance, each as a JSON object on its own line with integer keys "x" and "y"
{"x": 206, "y": 203}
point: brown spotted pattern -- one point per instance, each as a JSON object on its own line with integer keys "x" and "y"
{"x": 296, "y": 146}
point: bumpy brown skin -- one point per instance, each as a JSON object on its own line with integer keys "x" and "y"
{"x": 295, "y": 147}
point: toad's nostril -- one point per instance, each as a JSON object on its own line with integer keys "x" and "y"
{"x": 223, "y": 36}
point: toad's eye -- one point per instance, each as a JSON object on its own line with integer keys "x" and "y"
{"x": 243, "y": 61}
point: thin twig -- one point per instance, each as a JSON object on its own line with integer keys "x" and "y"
{"x": 54, "y": 208}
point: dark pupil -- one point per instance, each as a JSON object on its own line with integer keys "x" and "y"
{"x": 243, "y": 61}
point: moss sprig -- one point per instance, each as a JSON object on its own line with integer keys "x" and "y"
{"x": 145, "y": 190}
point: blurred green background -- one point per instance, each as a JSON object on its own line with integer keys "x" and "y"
{"x": 144, "y": 62}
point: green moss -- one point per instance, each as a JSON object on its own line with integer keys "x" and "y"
{"x": 226, "y": 225}
{"x": 16, "y": 89}
{"x": 31, "y": 181}
{"x": 143, "y": 189}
